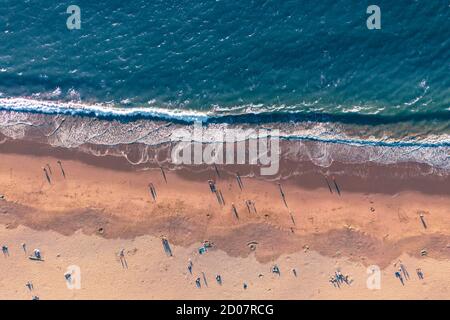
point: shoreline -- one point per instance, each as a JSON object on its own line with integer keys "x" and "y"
{"x": 319, "y": 143}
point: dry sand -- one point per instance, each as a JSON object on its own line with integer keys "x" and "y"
{"x": 88, "y": 217}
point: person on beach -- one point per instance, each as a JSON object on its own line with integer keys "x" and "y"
{"x": 337, "y": 187}
{"x": 198, "y": 283}
{"x": 122, "y": 258}
{"x": 5, "y": 250}
{"x": 334, "y": 282}
{"x": 47, "y": 176}
{"x": 276, "y": 270}
{"x": 212, "y": 186}
{"x": 190, "y": 266}
{"x": 294, "y": 271}
{"x": 233, "y": 208}
{"x": 419, "y": 273}
{"x": 422, "y": 219}
{"x": 346, "y": 279}
{"x": 37, "y": 254}
{"x": 62, "y": 169}
{"x": 282, "y": 194}
{"x": 29, "y": 285}
{"x": 152, "y": 191}
{"x": 339, "y": 277}
{"x": 49, "y": 169}
{"x": 292, "y": 219}
{"x": 247, "y": 203}
{"x": 24, "y": 247}
{"x": 219, "y": 279}
{"x": 163, "y": 174}
{"x": 399, "y": 276}
{"x": 166, "y": 246}
{"x": 245, "y": 286}
{"x": 250, "y": 206}
{"x": 239, "y": 181}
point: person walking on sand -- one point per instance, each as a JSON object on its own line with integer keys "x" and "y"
{"x": 337, "y": 187}
{"x": 282, "y": 194}
{"x": 29, "y": 285}
{"x": 166, "y": 246}
{"x": 252, "y": 205}
{"x": 122, "y": 258}
{"x": 422, "y": 219}
{"x": 239, "y": 181}
{"x": 233, "y": 208}
{"x": 49, "y": 169}
{"x": 292, "y": 218}
{"x": 419, "y": 273}
{"x": 334, "y": 282}
{"x": 47, "y": 176}
{"x": 62, "y": 169}
{"x": 152, "y": 191}
{"x": 190, "y": 266}
{"x": 24, "y": 247}
{"x": 247, "y": 203}
{"x": 198, "y": 283}
{"x": 212, "y": 186}
{"x": 163, "y": 174}
{"x": 219, "y": 279}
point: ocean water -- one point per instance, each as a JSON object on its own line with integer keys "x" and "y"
{"x": 244, "y": 61}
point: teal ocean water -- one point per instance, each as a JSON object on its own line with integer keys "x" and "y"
{"x": 252, "y": 61}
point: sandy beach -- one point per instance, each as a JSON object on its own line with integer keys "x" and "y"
{"x": 104, "y": 205}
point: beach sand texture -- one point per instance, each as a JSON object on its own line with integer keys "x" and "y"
{"x": 86, "y": 218}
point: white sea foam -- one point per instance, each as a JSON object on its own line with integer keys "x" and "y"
{"x": 334, "y": 142}
{"x": 97, "y": 109}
